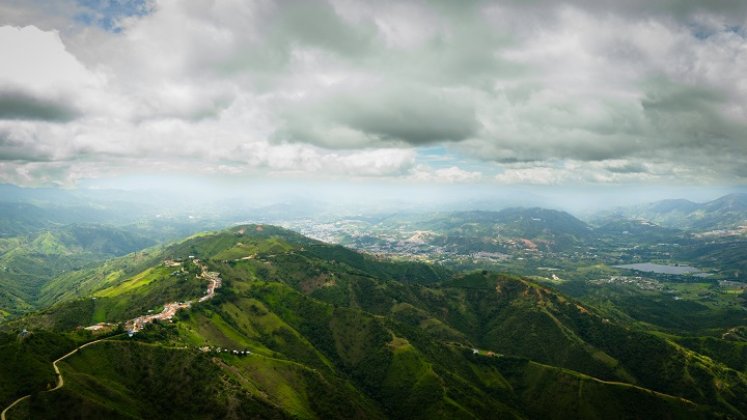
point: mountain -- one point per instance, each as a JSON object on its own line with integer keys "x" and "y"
{"x": 29, "y": 262}
{"x": 472, "y": 231}
{"x": 727, "y": 212}
{"x": 677, "y": 205}
{"x": 334, "y": 333}
{"x": 20, "y": 218}
{"x": 637, "y": 231}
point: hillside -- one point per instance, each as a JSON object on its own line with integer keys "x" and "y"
{"x": 25, "y": 218}
{"x": 333, "y": 332}
{"x": 473, "y": 231}
{"x": 638, "y": 231}
{"x": 29, "y": 262}
{"x": 727, "y": 212}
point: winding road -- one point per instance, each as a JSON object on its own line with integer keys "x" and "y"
{"x": 2, "y": 416}
{"x": 60, "y": 379}
{"x": 170, "y": 309}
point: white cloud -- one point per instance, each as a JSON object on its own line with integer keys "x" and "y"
{"x": 35, "y": 59}
{"x": 613, "y": 171}
{"x": 347, "y": 88}
{"x": 450, "y": 175}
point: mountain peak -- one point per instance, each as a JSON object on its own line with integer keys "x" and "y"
{"x": 734, "y": 201}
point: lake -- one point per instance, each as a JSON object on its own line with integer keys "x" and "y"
{"x": 660, "y": 268}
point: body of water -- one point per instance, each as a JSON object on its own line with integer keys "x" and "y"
{"x": 660, "y": 268}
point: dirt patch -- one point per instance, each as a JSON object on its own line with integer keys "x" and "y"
{"x": 322, "y": 280}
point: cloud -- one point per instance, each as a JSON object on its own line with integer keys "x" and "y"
{"x": 301, "y": 159}
{"x": 573, "y": 92}
{"x": 44, "y": 14}
{"x": 610, "y": 86}
{"x": 39, "y": 79}
{"x": 38, "y": 60}
{"x": 450, "y": 175}
{"x": 613, "y": 172}
{"x": 364, "y": 115}
{"x": 16, "y": 105}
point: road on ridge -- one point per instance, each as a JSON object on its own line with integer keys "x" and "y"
{"x": 60, "y": 379}
{"x": 170, "y": 309}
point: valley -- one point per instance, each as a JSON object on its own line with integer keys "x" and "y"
{"x": 349, "y": 209}
{"x": 421, "y": 311}
{"x": 633, "y": 267}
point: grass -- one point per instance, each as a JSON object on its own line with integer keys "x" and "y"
{"x": 140, "y": 280}
{"x": 25, "y": 362}
{"x": 146, "y": 381}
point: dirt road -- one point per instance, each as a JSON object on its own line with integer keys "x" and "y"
{"x": 137, "y": 324}
{"x": 60, "y": 378}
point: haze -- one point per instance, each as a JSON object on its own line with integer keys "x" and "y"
{"x": 576, "y": 105}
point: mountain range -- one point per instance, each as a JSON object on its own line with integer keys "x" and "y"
{"x": 335, "y": 333}
{"x": 727, "y": 212}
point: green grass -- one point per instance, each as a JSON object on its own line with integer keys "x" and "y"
{"x": 146, "y": 381}
{"x": 140, "y": 280}
{"x": 25, "y": 362}
{"x": 31, "y": 264}
{"x": 549, "y": 392}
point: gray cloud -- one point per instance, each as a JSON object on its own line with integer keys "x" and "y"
{"x": 632, "y": 90}
{"x": 414, "y": 116}
{"x": 319, "y": 25}
{"x": 692, "y": 116}
{"x": 627, "y": 168}
{"x": 678, "y": 10}
{"x": 372, "y": 115}
{"x": 22, "y": 146}
{"x": 18, "y": 105}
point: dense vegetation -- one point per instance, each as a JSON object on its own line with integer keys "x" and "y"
{"x": 25, "y": 362}
{"x": 28, "y": 263}
{"x": 333, "y": 333}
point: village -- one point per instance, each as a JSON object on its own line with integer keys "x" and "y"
{"x": 642, "y": 283}
{"x": 170, "y": 309}
{"x": 235, "y": 352}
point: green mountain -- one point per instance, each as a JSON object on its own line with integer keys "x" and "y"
{"x": 637, "y": 231}
{"x": 473, "y": 231}
{"x": 24, "y": 218}
{"x": 333, "y": 333}
{"x": 29, "y": 262}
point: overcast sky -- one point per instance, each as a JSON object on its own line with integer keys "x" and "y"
{"x": 585, "y": 92}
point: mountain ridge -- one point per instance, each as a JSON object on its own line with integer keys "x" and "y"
{"x": 728, "y": 211}
{"x": 393, "y": 336}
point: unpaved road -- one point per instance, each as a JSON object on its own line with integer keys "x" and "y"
{"x": 135, "y": 325}
{"x": 60, "y": 379}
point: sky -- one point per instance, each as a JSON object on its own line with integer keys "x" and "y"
{"x": 590, "y": 94}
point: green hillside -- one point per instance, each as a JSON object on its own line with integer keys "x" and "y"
{"x": 333, "y": 333}
{"x": 25, "y": 362}
{"x": 29, "y": 262}
{"x": 499, "y": 231}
